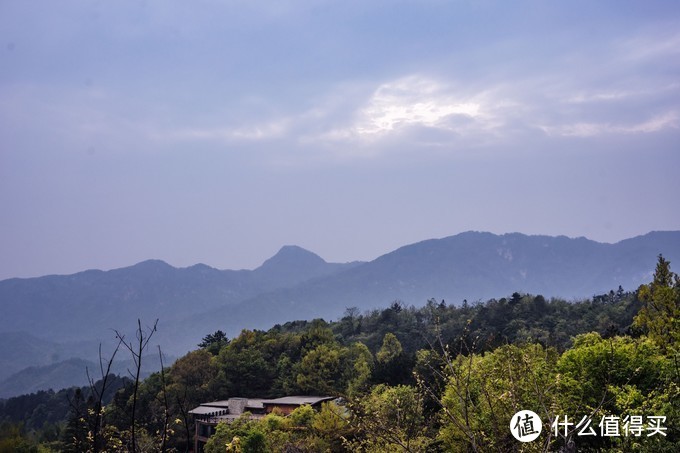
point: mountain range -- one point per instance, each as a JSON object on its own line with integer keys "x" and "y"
{"x": 47, "y": 320}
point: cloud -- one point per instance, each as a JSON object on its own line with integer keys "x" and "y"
{"x": 419, "y": 109}
{"x": 226, "y": 134}
{"x": 616, "y": 86}
{"x": 412, "y": 101}
{"x": 582, "y": 98}
{"x": 665, "y": 121}
{"x": 668, "y": 120}
{"x": 651, "y": 46}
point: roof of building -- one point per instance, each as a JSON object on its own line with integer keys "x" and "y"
{"x": 228, "y": 406}
{"x": 236, "y": 406}
{"x": 298, "y": 400}
{"x": 208, "y": 411}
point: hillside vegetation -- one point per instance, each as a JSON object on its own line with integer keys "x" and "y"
{"x": 434, "y": 378}
{"x": 67, "y": 316}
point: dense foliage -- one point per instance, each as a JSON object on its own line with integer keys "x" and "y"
{"x": 435, "y": 378}
{"x": 40, "y": 418}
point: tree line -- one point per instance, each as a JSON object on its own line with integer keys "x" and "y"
{"x": 442, "y": 377}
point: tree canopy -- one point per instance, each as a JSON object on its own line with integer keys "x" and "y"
{"x": 435, "y": 378}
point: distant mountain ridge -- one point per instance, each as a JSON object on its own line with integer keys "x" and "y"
{"x": 297, "y": 284}
{"x": 51, "y": 319}
{"x": 69, "y": 373}
{"x": 89, "y": 303}
{"x": 471, "y": 265}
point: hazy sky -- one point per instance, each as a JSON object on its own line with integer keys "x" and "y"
{"x": 217, "y": 131}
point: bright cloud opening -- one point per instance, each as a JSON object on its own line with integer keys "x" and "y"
{"x": 412, "y": 101}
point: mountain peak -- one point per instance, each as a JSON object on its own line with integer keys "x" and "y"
{"x": 152, "y": 264}
{"x": 292, "y": 264}
{"x": 293, "y": 255}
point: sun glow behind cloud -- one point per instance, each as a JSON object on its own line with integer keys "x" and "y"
{"x": 411, "y": 101}
{"x": 417, "y": 111}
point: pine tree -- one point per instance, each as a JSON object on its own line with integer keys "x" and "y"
{"x": 660, "y": 314}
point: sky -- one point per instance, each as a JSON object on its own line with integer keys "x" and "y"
{"x": 218, "y": 131}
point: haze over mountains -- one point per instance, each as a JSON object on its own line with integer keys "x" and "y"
{"x": 49, "y": 319}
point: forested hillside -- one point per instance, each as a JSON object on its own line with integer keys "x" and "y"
{"x": 51, "y": 319}
{"x": 435, "y": 378}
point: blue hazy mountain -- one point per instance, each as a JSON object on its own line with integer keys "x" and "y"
{"x": 72, "y": 372}
{"x": 472, "y": 266}
{"x": 54, "y": 317}
{"x": 88, "y": 304}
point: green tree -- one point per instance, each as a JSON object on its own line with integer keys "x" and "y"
{"x": 390, "y": 349}
{"x": 227, "y": 433}
{"x": 213, "y": 342}
{"x": 317, "y": 333}
{"x": 616, "y": 377}
{"x": 189, "y": 384}
{"x": 303, "y": 416}
{"x": 331, "y": 425}
{"x": 14, "y": 440}
{"x": 358, "y": 369}
{"x": 320, "y": 371}
{"x": 244, "y": 368}
{"x": 484, "y": 391}
{"x": 390, "y": 419}
{"x": 660, "y": 314}
{"x": 394, "y": 366}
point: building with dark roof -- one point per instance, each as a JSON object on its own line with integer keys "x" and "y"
{"x": 208, "y": 415}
